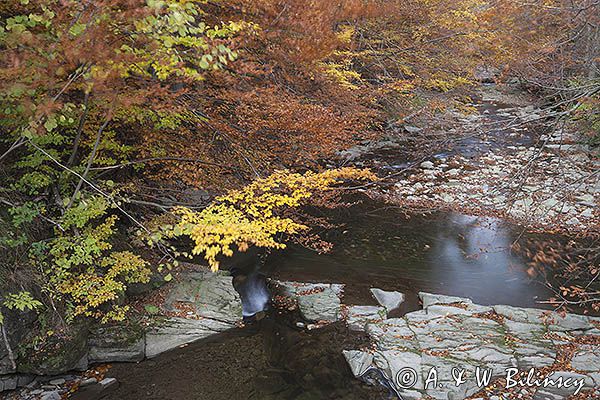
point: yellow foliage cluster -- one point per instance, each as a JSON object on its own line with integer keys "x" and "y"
{"x": 252, "y": 215}
{"x": 91, "y": 290}
{"x": 85, "y": 271}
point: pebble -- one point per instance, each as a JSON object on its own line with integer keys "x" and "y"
{"x": 54, "y": 395}
{"x": 107, "y": 382}
{"x": 427, "y": 165}
{"x": 57, "y": 382}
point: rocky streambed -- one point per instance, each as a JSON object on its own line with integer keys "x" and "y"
{"x": 503, "y": 158}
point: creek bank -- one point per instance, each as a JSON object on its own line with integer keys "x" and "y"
{"x": 448, "y": 332}
{"x": 199, "y": 305}
{"x": 556, "y": 185}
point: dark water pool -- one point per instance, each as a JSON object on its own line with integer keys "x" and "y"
{"x": 451, "y": 254}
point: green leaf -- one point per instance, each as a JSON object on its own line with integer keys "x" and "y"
{"x": 50, "y": 123}
{"x": 151, "y": 309}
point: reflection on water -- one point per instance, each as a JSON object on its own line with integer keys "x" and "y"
{"x": 474, "y": 259}
{"x": 450, "y": 254}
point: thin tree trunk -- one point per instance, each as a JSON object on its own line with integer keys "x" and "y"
{"x": 11, "y": 355}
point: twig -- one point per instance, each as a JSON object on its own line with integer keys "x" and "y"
{"x": 89, "y": 163}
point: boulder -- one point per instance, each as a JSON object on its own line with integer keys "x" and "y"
{"x": 212, "y": 295}
{"x": 119, "y": 343}
{"x": 389, "y": 300}
{"x": 320, "y": 306}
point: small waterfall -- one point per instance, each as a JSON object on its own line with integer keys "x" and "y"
{"x": 253, "y": 291}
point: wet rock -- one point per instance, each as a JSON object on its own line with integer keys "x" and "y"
{"x": 175, "y": 332}
{"x": 320, "y": 306}
{"x": 389, "y": 300}
{"x": 359, "y": 361}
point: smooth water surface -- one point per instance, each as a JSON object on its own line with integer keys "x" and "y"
{"x": 451, "y": 254}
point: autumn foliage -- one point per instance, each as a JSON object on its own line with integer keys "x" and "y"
{"x": 112, "y": 106}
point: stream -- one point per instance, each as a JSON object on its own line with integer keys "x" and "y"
{"x": 450, "y": 254}
{"x": 376, "y": 245}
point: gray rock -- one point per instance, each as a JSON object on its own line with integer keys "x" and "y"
{"x": 108, "y": 382}
{"x": 389, "y": 300}
{"x": 452, "y": 332}
{"x": 8, "y": 382}
{"x": 212, "y": 295}
{"x": 117, "y": 344}
{"x": 430, "y": 299}
{"x": 53, "y": 395}
{"x": 427, "y": 165}
{"x": 294, "y": 289}
{"x": 559, "y": 393}
{"x": 360, "y": 316}
{"x": 412, "y": 129}
{"x": 320, "y": 306}
{"x": 359, "y": 361}
{"x": 527, "y": 362}
{"x": 57, "y": 382}
{"x": 587, "y": 360}
{"x": 88, "y": 382}
{"x": 179, "y": 331}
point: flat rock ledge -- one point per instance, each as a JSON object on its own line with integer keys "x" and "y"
{"x": 452, "y": 334}
{"x": 316, "y": 302}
